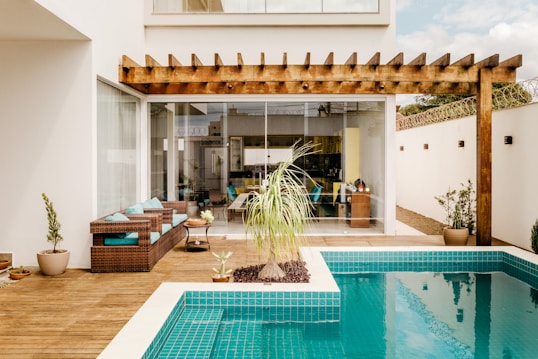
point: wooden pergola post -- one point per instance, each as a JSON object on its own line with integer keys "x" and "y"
{"x": 483, "y": 157}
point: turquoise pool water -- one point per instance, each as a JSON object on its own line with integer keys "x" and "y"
{"x": 394, "y": 304}
{"x": 189, "y": 320}
{"x": 389, "y": 315}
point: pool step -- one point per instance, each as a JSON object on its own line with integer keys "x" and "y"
{"x": 193, "y": 334}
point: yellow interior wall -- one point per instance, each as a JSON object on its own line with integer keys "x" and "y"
{"x": 352, "y": 163}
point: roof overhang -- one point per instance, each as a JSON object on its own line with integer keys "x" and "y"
{"x": 27, "y": 20}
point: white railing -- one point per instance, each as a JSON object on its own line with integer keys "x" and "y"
{"x": 518, "y": 94}
{"x": 264, "y": 6}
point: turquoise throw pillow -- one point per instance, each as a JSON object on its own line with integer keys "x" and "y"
{"x": 156, "y": 203}
{"x": 136, "y": 209}
{"x": 147, "y": 204}
{"x": 117, "y": 217}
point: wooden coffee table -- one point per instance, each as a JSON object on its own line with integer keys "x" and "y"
{"x": 196, "y": 244}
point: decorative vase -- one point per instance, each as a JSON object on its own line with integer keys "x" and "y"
{"x": 53, "y": 263}
{"x": 16, "y": 274}
{"x": 456, "y": 237}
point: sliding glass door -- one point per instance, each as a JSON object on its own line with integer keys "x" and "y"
{"x": 199, "y": 148}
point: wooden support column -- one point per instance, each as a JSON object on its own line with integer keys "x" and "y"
{"x": 483, "y": 158}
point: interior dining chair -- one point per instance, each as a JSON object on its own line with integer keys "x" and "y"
{"x": 315, "y": 199}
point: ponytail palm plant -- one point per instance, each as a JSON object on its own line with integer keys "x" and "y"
{"x": 278, "y": 214}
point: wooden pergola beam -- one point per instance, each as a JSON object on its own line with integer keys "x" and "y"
{"x": 195, "y": 62}
{"x": 240, "y": 62}
{"x": 218, "y": 61}
{"x": 420, "y": 60}
{"x": 442, "y": 61}
{"x": 375, "y": 60}
{"x": 173, "y": 62}
{"x": 151, "y": 62}
{"x": 398, "y": 60}
{"x": 513, "y": 62}
{"x": 198, "y": 73}
{"x": 466, "y": 61}
{"x": 307, "y": 60}
{"x": 329, "y": 61}
{"x": 393, "y": 78}
{"x": 313, "y": 87}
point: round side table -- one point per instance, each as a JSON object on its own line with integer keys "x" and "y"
{"x": 196, "y": 244}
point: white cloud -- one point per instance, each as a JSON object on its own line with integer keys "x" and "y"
{"x": 484, "y": 28}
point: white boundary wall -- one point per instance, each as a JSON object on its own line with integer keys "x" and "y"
{"x": 422, "y": 174}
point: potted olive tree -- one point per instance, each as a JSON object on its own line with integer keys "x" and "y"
{"x": 277, "y": 215}
{"x": 52, "y": 261}
{"x": 467, "y": 203}
{"x": 454, "y": 233}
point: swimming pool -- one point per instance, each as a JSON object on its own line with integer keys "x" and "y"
{"x": 147, "y": 331}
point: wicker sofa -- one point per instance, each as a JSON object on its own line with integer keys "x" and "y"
{"x": 134, "y": 240}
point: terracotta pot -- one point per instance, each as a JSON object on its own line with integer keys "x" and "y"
{"x": 53, "y": 263}
{"x": 456, "y": 237}
{"x": 221, "y": 279}
{"x": 16, "y": 273}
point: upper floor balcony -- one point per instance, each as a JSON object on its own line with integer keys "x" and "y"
{"x": 265, "y": 6}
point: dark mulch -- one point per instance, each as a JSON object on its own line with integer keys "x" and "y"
{"x": 296, "y": 272}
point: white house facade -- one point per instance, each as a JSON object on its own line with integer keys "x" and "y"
{"x": 70, "y": 129}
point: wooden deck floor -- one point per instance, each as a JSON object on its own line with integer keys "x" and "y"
{"x": 76, "y": 314}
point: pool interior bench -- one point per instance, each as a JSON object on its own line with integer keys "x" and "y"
{"x": 135, "y": 239}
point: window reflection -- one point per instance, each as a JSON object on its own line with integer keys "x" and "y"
{"x": 265, "y": 6}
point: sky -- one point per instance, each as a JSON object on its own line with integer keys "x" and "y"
{"x": 462, "y": 27}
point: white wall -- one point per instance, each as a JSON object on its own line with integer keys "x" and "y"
{"x": 45, "y": 145}
{"x": 422, "y": 174}
{"x": 47, "y": 127}
{"x": 273, "y": 42}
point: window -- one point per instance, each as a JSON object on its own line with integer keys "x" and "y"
{"x": 265, "y": 6}
{"x": 117, "y": 148}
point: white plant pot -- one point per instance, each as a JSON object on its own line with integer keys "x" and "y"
{"x": 53, "y": 263}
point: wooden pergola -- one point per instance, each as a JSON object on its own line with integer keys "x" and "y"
{"x": 462, "y": 77}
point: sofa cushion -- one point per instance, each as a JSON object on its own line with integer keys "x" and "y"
{"x": 156, "y": 203}
{"x": 135, "y": 209}
{"x": 130, "y": 240}
{"x": 179, "y": 218}
{"x": 166, "y": 227}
